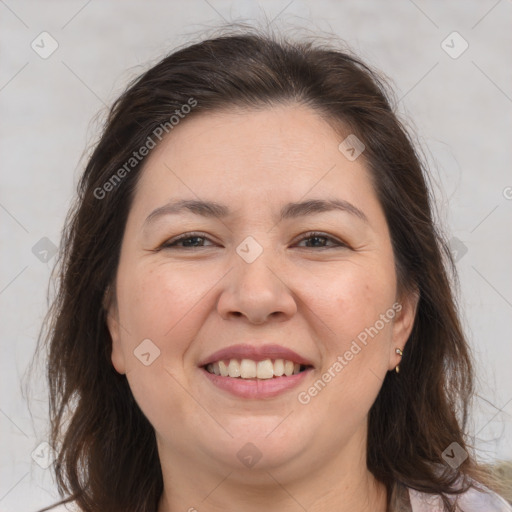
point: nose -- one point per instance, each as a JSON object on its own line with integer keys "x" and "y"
{"x": 257, "y": 291}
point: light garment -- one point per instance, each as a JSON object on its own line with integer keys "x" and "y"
{"x": 470, "y": 501}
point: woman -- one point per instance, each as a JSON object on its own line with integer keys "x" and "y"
{"x": 254, "y": 309}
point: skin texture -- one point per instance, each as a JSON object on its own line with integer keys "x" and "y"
{"x": 309, "y": 295}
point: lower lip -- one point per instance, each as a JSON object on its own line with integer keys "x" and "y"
{"x": 257, "y": 388}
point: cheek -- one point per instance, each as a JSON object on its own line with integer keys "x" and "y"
{"x": 356, "y": 303}
{"x": 353, "y": 297}
{"x": 157, "y": 304}
{"x": 356, "y": 351}
{"x": 154, "y": 300}
{"x": 167, "y": 304}
{"x": 164, "y": 399}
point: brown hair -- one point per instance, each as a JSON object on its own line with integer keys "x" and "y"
{"x": 107, "y": 454}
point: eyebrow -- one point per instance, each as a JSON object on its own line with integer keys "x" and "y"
{"x": 212, "y": 209}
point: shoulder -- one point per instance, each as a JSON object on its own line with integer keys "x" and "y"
{"x": 479, "y": 499}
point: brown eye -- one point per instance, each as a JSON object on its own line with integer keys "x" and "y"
{"x": 188, "y": 240}
{"x": 320, "y": 239}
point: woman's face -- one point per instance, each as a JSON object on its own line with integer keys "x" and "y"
{"x": 249, "y": 279}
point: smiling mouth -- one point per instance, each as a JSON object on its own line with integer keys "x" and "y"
{"x": 250, "y": 369}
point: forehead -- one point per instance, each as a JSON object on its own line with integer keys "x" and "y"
{"x": 276, "y": 154}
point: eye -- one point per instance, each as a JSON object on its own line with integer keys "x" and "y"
{"x": 185, "y": 241}
{"x": 197, "y": 240}
{"x": 320, "y": 238}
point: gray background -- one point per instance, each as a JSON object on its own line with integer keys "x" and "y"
{"x": 51, "y": 110}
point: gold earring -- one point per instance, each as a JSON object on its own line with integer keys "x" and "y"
{"x": 397, "y": 367}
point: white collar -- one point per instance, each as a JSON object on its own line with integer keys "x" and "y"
{"x": 470, "y": 501}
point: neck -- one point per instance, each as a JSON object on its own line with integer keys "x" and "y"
{"x": 337, "y": 484}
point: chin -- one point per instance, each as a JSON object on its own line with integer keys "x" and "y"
{"x": 262, "y": 446}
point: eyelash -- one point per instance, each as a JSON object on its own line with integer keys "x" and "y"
{"x": 171, "y": 244}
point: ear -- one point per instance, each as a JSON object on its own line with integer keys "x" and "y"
{"x": 112, "y": 319}
{"x": 405, "y": 308}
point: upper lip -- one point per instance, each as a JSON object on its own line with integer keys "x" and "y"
{"x": 256, "y": 353}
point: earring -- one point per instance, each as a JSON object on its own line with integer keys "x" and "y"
{"x": 397, "y": 367}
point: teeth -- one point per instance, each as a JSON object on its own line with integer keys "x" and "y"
{"x": 265, "y": 369}
{"x": 249, "y": 369}
{"x": 234, "y": 368}
{"x": 278, "y": 367}
{"x": 223, "y": 369}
